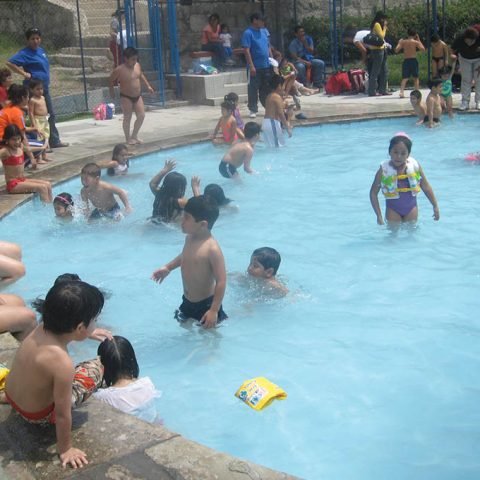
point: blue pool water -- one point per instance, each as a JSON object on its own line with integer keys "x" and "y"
{"x": 377, "y": 345}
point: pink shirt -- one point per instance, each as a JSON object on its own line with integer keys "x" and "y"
{"x": 208, "y": 34}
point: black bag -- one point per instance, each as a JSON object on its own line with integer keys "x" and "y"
{"x": 373, "y": 40}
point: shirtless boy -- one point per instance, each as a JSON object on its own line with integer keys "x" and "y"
{"x": 38, "y": 113}
{"x": 129, "y": 76}
{"x": 440, "y": 54}
{"x": 202, "y": 264}
{"x": 418, "y": 107}
{"x": 240, "y": 153}
{"x": 264, "y": 264}
{"x": 101, "y": 195}
{"x": 275, "y": 121}
{"x": 39, "y": 385}
{"x": 409, "y": 46}
{"x": 434, "y": 104}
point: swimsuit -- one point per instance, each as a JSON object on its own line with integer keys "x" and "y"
{"x": 112, "y": 213}
{"x": 446, "y": 89}
{"x": 238, "y": 119}
{"x": 13, "y": 160}
{"x": 226, "y": 133}
{"x": 435, "y": 120}
{"x": 272, "y": 132}
{"x": 45, "y": 416}
{"x": 405, "y": 203}
{"x": 410, "y": 68}
{"x": 134, "y": 100}
{"x": 227, "y": 169}
{"x": 118, "y": 170}
{"x": 197, "y": 310}
{"x": 11, "y": 184}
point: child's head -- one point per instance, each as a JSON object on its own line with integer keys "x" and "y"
{"x": 90, "y": 174}
{"x": 12, "y": 136}
{"x": 227, "y": 108}
{"x": 251, "y": 130}
{"x": 216, "y": 192}
{"x": 18, "y": 95}
{"x": 275, "y": 82}
{"x": 130, "y": 55}
{"x": 174, "y": 185}
{"x": 415, "y": 97}
{"x": 120, "y": 153}
{"x": 199, "y": 212}
{"x": 435, "y": 38}
{"x": 231, "y": 97}
{"x": 36, "y": 87}
{"x": 400, "y": 148}
{"x": 224, "y": 28}
{"x": 63, "y": 204}
{"x": 435, "y": 85}
{"x": 264, "y": 263}
{"x": 445, "y": 72}
{"x": 70, "y": 306}
{"x": 118, "y": 358}
{"x": 411, "y": 32}
{"x": 5, "y": 78}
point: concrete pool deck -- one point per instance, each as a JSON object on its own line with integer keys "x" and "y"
{"x": 120, "y": 446}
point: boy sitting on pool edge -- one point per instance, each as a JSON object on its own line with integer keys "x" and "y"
{"x": 202, "y": 264}
{"x": 264, "y": 264}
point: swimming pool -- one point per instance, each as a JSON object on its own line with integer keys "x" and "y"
{"x": 377, "y": 344}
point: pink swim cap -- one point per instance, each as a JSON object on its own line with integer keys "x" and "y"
{"x": 402, "y": 134}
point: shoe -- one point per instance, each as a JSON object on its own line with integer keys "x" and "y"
{"x": 253, "y": 115}
{"x": 61, "y": 144}
{"x": 301, "y": 116}
{"x": 463, "y": 106}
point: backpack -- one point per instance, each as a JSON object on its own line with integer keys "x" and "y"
{"x": 104, "y": 111}
{"x": 357, "y": 79}
{"x": 338, "y": 83}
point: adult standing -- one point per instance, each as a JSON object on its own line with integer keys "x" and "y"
{"x": 467, "y": 48}
{"x": 32, "y": 63}
{"x": 377, "y": 81}
{"x": 256, "y": 45}
{"x": 211, "y": 40}
{"x": 302, "y": 51}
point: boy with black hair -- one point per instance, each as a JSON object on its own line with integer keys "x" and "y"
{"x": 240, "y": 153}
{"x": 418, "y": 107}
{"x": 202, "y": 264}
{"x": 434, "y": 104}
{"x": 129, "y": 76}
{"x": 101, "y": 194}
{"x": 264, "y": 264}
{"x": 42, "y": 381}
{"x": 410, "y": 45}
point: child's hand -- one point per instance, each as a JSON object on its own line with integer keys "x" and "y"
{"x": 73, "y": 457}
{"x": 100, "y": 334}
{"x": 209, "y": 320}
{"x": 160, "y": 274}
{"x": 128, "y": 210}
{"x": 170, "y": 164}
{"x": 150, "y": 89}
{"x": 380, "y": 221}
{"x": 436, "y": 214}
{"x": 195, "y": 182}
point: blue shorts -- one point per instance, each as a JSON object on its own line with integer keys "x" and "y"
{"x": 410, "y": 68}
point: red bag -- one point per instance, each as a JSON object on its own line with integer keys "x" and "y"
{"x": 357, "y": 80}
{"x": 338, "y": 83}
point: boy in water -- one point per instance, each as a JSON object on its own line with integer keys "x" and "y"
{"x": 240, "y": 153}
{"x": 202, "y": 264}
{"x": 129, "y": 76}
{"x": 275, "y": 121}
{"x": 409, "y": 46}
{"x": 42, "y": 379}
{"x": 418, "y": 107}
{"x": 434, "y": 104}
{"x": 264, "y": 264}
{"x": 101, "y": 195}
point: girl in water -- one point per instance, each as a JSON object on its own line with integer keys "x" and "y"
{"x": 227, "y": 125}
{"x": 119, "y": 163}
{"x": 63, "y": 206}
{"x": 401, "y": 178}
{"x": 170, "y": 197}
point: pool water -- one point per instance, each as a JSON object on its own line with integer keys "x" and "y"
{"x": 377, "y": 345}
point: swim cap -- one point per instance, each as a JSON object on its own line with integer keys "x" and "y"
{"x": 402, "y": 134}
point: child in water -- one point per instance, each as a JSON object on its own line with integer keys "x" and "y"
{"x": 119, "y": 164}
{"x": 227, "y": 125}
{"x": 401, "y": 178}
{"x": 170, "y": 197}
{"x": 446, "y": 98}
{"x": 232, "y": 97}
{"x": 63, "y": 206}
{"x": 264, "y": 264}
{"x": 13, "y": 161}
{"x": 418, "y": 107}
{"x": 125, "y": 391}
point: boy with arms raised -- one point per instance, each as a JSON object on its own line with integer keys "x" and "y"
{"x": 240, "y": 153}
{"x": 129, "y": 76}
{"x": 101, "y": 194}
{"x": 202, "y": 264}
{"x": 39, "y": 386}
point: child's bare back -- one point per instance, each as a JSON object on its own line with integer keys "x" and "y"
{"x": 409, "y": 47}
{"x": 239, "y": 154}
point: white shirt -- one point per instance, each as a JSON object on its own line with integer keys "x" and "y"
{"x": 136, "y": 398}
{"x": 360, "y": 35}
{"x": 226, "y": 38}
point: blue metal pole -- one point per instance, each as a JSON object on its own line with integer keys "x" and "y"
{"x": 128, "y": 24}
{"x": 173, "y": 40}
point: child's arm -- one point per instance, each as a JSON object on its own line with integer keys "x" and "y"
{"x": 31, "y": 113}
{"x": 122, "y": 194}
{"x": 28, "y": 151}
{"x": 247, "y": 161}
{"x": 112, "y": 81}
{"x": 196, "y": 186}
{"x": 374, "y": 189}
{"x": 428, "y": 191}
{"x": 430, "y": 107}
{"x": 160, "y": 274}
{"x": 233, "y": 128}
{"x": 446, "y": 54}
{"x": 217, "y": 263}
{"x": 217, "y": 129}
{"x": 419, "y": 44}
{"x": 62, "y": 396}
{"x": 143, "y": 78}
{"x": 109, "y": 164}
{"x": 240, "y": 133}
{"x": 86, "y": 204}
{"x": 399, "y": 46}
{"x": 155, "y": 181}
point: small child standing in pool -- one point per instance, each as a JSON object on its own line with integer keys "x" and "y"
{"x": 434, "y": 104}
{"x": 401, "y": 178}
{"x": 202, "y": 264}
{"x": 129, "y": 76}
{"x": 226, "y": 124}
{"x": 101, "y": 195}
{"x": 264, "y": 264}
{"x": 232, "y": 97}
{"x": 446, "y": 74}
{"x": 240, "y": 153}
{"x": 418, "y": 107}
